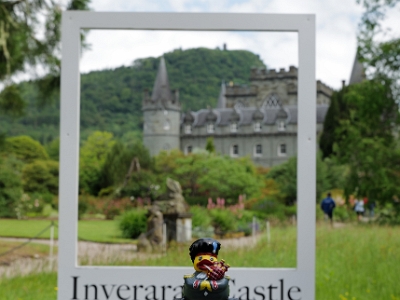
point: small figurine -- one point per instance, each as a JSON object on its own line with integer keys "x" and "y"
{"x": 209, "y": 280}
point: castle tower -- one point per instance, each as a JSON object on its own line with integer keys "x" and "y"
{"x": 161, "y": 115}
{"x": 357, "y": 72}
{"x": 222, "y": 99}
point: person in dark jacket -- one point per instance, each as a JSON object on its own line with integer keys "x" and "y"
{"x": 327, "y": 206}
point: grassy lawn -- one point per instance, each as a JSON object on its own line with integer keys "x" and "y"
{"x": 96, "y": 231}
{"x": 281, "y": 252}
{"x": 356, "y": 262}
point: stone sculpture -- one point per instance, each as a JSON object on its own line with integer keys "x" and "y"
{"x": 151, "y": 241}
{"x": 175, "y": 203}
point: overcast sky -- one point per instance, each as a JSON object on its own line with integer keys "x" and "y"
{"x": 336, "y": 34}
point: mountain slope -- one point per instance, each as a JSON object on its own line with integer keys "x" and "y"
{"x": 111, "y": 99}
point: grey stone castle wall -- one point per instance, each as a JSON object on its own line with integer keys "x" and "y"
{"x": 161, "y": 130}
{"x": 273, "y": 94}
{"x": 246, "y": 139}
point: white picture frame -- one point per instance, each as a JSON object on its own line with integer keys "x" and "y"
{"x": 164, "y": 283}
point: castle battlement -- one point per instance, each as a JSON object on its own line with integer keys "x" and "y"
{"x": 241, "y": 90}
{"x": 324, "y": 89}
{"x": 271, "y": 74}
{"x": 171, "y": 101}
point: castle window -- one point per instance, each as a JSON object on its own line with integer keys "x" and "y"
{"x": 272, "y": 101}
{"x": 282, "y": 150}
{"x": 257, "y": 127}
{"x": 281, "y": 126}
{"x": 188, "y": 129}
{"x": 234, "y": 151}
{"x": 189, "y": 149}
{"x": 167, "y": 125}
{"x": 234, "y": 127}
{"x": 210, "y": 128}
{"x": 258, "y": 150}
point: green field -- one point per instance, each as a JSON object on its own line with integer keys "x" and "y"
{"x": 96, "y": 231}
{"x": 355, "y": 262}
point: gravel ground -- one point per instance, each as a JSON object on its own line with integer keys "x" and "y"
{"x": 90, "y": 253}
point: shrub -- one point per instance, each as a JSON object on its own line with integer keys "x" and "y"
{"x": 196, "y": 200}
{"x": 133, "y": 223}
{"x": 82, "y": 209}
{"x": 342, "y": 213}
{"x": 37, "y": 205}
{"x": 26, "y": 148}
{"x": 223, "y": 220}
{"x": 201, "y": 222}
{"x": 41, "y": 176}
{"x": 48, "y": 211}
{"x": 271, "y": 207}
{"x": 10, "y": 191}
{"x": 114, "y": 207}
{"x": 244, "y": 222}
{"x": 200, "y": 216}
{"x": 389, "y": 214}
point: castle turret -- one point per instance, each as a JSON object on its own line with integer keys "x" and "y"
{"x": 161, "y": 115}
{"x": 222, "y": 99}
{"x": 357, "y": 72}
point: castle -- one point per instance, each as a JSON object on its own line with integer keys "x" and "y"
{"x": 258, "y": 120}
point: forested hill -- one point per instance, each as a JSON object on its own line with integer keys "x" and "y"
{"x": 111, "y": 99}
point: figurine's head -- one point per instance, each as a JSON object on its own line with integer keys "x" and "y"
{"x": 204, "y": 253}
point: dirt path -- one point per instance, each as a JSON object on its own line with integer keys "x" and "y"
{"x": 90, "y": 253}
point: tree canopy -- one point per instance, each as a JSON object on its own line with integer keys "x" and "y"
{"x": 378, "y": 47}
{"x": 30, "y": 37}
{"x": 361, "y": 125}
{"x": 25, "y": 148}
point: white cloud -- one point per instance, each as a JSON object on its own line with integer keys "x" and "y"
{"x": 336, "y": 34}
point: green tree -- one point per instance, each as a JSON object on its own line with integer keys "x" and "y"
{"x": 229, "y": 178}
{"x": 210, "y": 175}
{"x": 122, "y": 161}
{"x": 11, "y": 101}
{"x": 2, "y": 141}
{"x": 378, "y": 48}
{"x": 41, "y": 176}
{"x": 10, "y": 187}
{"x": 337, "y": 110}
{"x": 23, "y": 47}
{"x": 363, "y": 119}
{"x": 365, "y": 140}
{"x": 92, "y": 156}
{"x": 210, "y": 147}
{"x": 25, "y": 148}
{"x": 329, "y": 176}
{"x": 53, "y": 149}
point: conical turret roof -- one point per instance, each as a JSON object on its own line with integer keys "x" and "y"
{"x": 357, "y": 73}
{"x": 161, "y": 90}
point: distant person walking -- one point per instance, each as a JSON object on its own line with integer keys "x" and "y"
{"x": 359, "y": 209}
{"x": 327, "y": 206}
{"x": 371, "y": 207}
